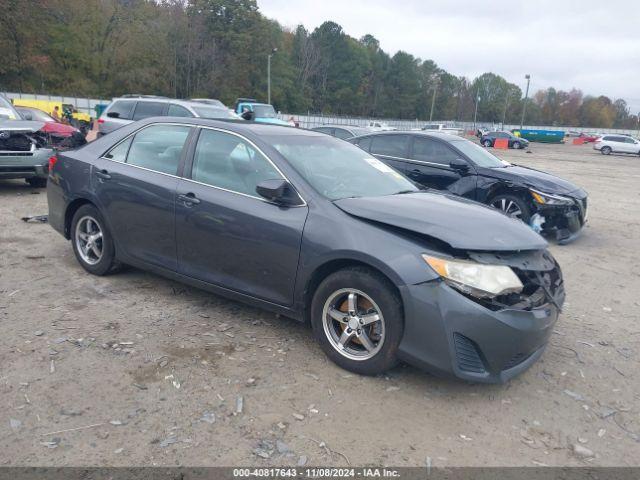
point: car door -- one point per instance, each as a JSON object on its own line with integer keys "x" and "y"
{"x": 135, "y": 184}
{"x": 145, "y": 109}
{"x": 118, "y": 114}
{"x": 631, "y": 145}
{"x": 430, "y": 166}
{"x": 392, "y": 149}
{"x": 226, "y": 233}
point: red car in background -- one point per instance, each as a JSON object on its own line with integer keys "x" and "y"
{"x": 589, "y": 137}
{"x": 59, "y": 135}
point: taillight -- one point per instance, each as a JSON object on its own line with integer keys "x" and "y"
{"x": 52, "y": 161}
{"x": 101, "y": 120}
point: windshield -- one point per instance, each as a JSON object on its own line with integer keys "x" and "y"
{"x": 264, "y": 111}
{"x": 7, "y": 110}
{"x": 337, "y": 169}
{"x": 35, "y": 114}
{"x": 479, "y": 155}
{"x": 213, "y": 112}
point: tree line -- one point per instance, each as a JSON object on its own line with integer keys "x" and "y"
{"x": 219, "y": 49}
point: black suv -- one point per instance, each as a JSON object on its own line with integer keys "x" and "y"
{"x": 447, "y": 162}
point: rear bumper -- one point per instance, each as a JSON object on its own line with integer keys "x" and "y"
{"x": 449, "y": 334}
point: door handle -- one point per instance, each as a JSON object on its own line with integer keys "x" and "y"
{"x": 189, "y": 199}
{"x": 415, "y": 170}
{"x": 103, "y": 175}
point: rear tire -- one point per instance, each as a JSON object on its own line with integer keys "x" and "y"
{"x": 487, "y": 143}
{"x": 37, "y": 182}
{"x": 516, "y": 145}
{"x": 92, "y": 241}
{"x": 513, "y": 206}
{"x": 605, "y": 150}
{"x": 357, "y": 318}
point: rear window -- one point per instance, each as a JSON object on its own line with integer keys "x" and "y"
{"x": 123, "y": 108}
{"x": 148, "y": 109}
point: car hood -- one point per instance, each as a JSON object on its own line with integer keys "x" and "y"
{"x": 535, "y": 179}
{"x": 461, "y": 223}
{"x": 22, "y": 126}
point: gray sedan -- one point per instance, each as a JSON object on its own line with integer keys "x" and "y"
{"x": 311, "y": 227}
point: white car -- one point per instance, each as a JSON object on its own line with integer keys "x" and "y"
{"x": 442, "y": 128}
{"x": 617, "y": 144}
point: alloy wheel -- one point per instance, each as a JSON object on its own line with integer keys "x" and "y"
{"x": 89, "y": 240}
{"x": 353, "y": 324}
{"x": 509, "y": 207}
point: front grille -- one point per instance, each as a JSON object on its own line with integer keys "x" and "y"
{"x": 467, "y": 355}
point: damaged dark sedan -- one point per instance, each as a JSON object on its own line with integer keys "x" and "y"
{"x": 315, "y": 229}
{"x": 549, "y": 204}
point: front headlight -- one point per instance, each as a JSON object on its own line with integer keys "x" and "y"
{"x": 477, "y": 279}
{"x": 549, "y": 199}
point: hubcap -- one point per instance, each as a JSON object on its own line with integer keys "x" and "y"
{"x": 89, "y": 240}
{"x": 509, "y": 207}
{"x": 353, "y": 324}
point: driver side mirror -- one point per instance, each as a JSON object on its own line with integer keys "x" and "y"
{"x": 248, "y": 115}
{"x": 113, "y": 115}
{"x": 459, "y": 164}
{"x": 279, "y": 191}
{"x": 28, "y": 116}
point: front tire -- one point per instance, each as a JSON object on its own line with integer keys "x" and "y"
{"x": 605, "y": 150}
{"x": 513, "y": 206}
{"x": 516, "y": 145}
{"x": 358, "y": 320}
{"x": 92, "y": 241}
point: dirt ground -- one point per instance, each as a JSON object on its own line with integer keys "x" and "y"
{"x": 133, "y": 369}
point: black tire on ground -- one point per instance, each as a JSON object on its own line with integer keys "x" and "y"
{"x": 487, "y": 143}
{"x": 516, "y": 145}
{"x": 382, "y": 292}
{"x": 605, "y": 150}
{"x": 107, "y": 263}
{"x": 37, "y": 182}
{"x": 497, "y": 202}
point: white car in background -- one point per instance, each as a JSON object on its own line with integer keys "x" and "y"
{"x": 609, "y": 143}
{"x": 442, "y": 128}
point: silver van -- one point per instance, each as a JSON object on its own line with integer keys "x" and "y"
{"x": 129, "y": 108}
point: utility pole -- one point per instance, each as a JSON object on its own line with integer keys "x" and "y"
{"x": 506, "y": 104}
{"x": 475, "y": 114}
{"x": 269, "y": 74}
{"x": 526, "y": 96}
{"x": 433, "y": 98}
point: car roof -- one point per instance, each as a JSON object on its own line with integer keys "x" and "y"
{"x": 416, "y": 133}
{"x": 150, "y": 98}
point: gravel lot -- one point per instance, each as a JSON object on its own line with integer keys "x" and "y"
{"x": 138, "y": 370}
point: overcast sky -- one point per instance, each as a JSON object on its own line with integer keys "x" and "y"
{"x": 590, "y": 45}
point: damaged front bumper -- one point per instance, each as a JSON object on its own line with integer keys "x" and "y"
{"x": 565, "y": 222}
{"x": 488, "y": 341}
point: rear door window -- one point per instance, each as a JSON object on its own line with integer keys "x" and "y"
{"x": 119, "y": 152}
{"x": 148, "y": 109}
{"x": 158, "y": 148}
{"x": 122, "y": 108}
{"x": 433, "y": 151}
{"x": 390, "y": 145}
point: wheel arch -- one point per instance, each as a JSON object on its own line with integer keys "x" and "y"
{"x": 325, "y": 269}
{"x": 71, "y": 210}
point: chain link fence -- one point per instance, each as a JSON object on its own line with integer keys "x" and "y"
{"x": 88, "y": 105}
